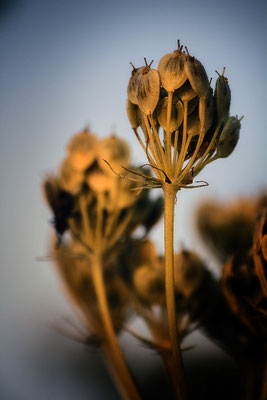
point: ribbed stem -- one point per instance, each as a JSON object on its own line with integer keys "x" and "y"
{"x": 124, "y": 380}
{"x": 169, "y": 194}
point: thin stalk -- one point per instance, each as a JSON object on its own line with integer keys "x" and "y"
{"x": 156, "y": 135}
{"x": 124, "y": 379}
{"x": 153, "y": 148}
{"x": 168, "y": 133}
{"x": 183, "y": 147}
{"x": 169, "y": 194}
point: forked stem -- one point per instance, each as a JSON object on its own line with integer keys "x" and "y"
{"x": 170, "y": 191}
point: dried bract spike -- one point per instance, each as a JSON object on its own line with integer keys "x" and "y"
{"x": 197, "y": 76}
{"x": 81, "y": 150}
{"x": 222, "y": 96}
{"x": 176, "y": 114}
{"x": 228, "y": 138}
{"x": 70, "y": 179}
{"x": 133, "y": 84}
{"x": 171, "y": 70}
{"x": 133, "y": 114}
{"x": 148, "y": 90}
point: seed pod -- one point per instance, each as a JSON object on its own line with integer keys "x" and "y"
{"x": 115, "y": 151}
{"x": 192, "y": 104}
{"x": 133, "y": 84}
{"x": 176, "y": 114}
{"x": 222, "y": 96}
{"x": 206, "y": 110}
{"x": 229, "y": 137}
{"x": 148, "y": 90}
{"x": 133, "y": 114}
{"x": 186, "y": 92}
{"x": 70, "y": 179}
{"x": 193, "y": 122}
{"x": 81, "y": 150}
{"x": 197, "y": 76}
{"x": 171, "y": 70}
{"x": 148, "y": 283}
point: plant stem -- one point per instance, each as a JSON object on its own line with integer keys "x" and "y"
{"x": 124, "y": 380}
{"x": 169, "y": 195}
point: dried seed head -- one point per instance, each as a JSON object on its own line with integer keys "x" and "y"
{"x": 171, "y": 70}
{"x": 229, "y": 137}
{"x": 222, "y": 96}
{"x": 115, "y": 151}
{"x": 188, "y": 272}
{"x": 148, "y": 283}
{"x": 81, "y": 150}
{"x": 133, "y": 84}
{"x": 186, "y": 92}
{"x": 133, "y": 114}
{"x": 148, "y": 90}
{"x": 176, "y": 114}
{"x": 70, "y": 179}
{"x": 196, "y": 75}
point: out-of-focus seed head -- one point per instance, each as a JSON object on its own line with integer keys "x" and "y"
{"x": 148, "y": 283}
{"x": 171, "y": 70}
{"x": 196, "y": 75}
{"x": 133, "y": 84}
{"x": 264, "y": 247}
{"x": 81, "y": 150}
{"x": 148, "y": 90}
{"x": 70, "y": 179}
{"x": 100, "y": 182}
{"x": 188, "y": 272}
{"x": 133, "y": 114}
{"x": 186, "y": 92}
{"x": 115, "y": 151}
{"x": 229, "y": 137}
{"x": 176, "y": 114}
{"x": 222, "y": 96}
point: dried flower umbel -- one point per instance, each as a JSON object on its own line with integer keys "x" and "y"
{"x": 185, "y": 127}
{"x": 99, "y": 210}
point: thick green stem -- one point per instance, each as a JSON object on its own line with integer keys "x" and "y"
{"x": 169, "y": 194}
{"x": 124, "y": 380}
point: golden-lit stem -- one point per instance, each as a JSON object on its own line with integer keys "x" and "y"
{"x": 149, "y": 158}
{"x": 175, "y": 151}
{"x": 153, "y": 149}
{"x": 126, "y": 384}
{"x": 168, "y": 133}
{"x": 159, "y": 145}
{"x": 85, "y": 221}
{"x": 199, "y": 142}
{"x": 183, "y": 147}
{"x": 169, "y": 195}
{"x": 99, "y": 239}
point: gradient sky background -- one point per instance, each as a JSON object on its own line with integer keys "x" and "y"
{"x": 65, "y": 64}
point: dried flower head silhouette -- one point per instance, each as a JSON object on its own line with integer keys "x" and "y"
{"x": 185, "y": 128}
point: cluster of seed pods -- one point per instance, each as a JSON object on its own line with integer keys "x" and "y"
{"x": 195, "y": 123}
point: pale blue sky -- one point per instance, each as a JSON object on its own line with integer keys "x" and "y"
{"x": 65, "y": 64}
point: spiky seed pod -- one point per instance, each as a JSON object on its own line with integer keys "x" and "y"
{"x": 192, "y": 104}
{"x": 115, "y": 151}
{"x": 229, "y": 137}
{"x": 176, "y": 114}
{"x": 148, "y": 90}
{"x": 133, "y": 114}
{"x": 171, "y": 70}
{"x": 188, "y": 272}
{"x": 197, "y": 76}
{"x": 81, "y": 150}
{"x": 193, "y": 123}
{"x": 133, "y": 84}
{"x": 70, "y": 179}
{"x": 222, "y": 96}
{"x": 186, "y": 92}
